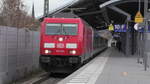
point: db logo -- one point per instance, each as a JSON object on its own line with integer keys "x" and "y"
{"x": 60, "y": 45}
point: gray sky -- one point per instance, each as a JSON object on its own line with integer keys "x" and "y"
{"x": 39, "y": 4}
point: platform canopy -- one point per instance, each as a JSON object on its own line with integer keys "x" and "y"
{"x": 100, "y": 13}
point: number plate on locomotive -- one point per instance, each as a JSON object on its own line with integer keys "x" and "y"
{"x": 60, "y": 45}
{"x": 60, "y": 51}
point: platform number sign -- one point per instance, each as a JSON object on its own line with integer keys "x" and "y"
{"x": 120, "y": 28}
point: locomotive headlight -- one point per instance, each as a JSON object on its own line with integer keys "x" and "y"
{"x": 49, "y": 45}
{"x": 47, "y": 51}
{"x": 71, "y": 45}
{"x": 60, "y": 39}
{"x": 73, "y": 52}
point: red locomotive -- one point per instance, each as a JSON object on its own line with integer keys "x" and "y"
{"x": 67, "y": 43}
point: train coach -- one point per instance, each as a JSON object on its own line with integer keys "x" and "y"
{"x": 66, "y": 43}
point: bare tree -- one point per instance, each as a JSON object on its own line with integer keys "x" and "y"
{"x": 13, "y": 14}
{"x": 10, "y": 12}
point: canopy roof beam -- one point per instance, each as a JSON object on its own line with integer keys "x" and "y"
{"x": 105, "y": 15}
{"x": 91, "y": 13}
{"x": 121, "y": 12}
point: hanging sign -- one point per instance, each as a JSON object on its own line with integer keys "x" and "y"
{"x": 139, "y": 18}
{"x": 111, "y": 27}
{"x": 120, "y": 28}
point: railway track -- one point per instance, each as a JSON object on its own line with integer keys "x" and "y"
{"x": 44, "y": 78}
{"x": 50, "y": 79}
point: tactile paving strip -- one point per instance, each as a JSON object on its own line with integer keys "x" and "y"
{"x": 90, "y": 74}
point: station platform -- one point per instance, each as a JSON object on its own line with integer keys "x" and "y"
{"x": 110, "y": 67}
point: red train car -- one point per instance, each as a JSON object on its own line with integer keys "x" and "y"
{"x": 65, "y": 44}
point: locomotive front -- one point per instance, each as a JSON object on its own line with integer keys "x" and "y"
{"x": 60, "y": 46}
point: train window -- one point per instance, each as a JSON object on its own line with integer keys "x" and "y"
{"x": 53, "y": 29}
{"x": 70, "y": 29}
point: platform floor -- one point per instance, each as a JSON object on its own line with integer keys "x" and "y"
{"x": 110, "y": 67}
{"x": 121, "y": 69}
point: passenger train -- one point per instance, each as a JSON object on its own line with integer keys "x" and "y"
{"x": 67, "y": 43}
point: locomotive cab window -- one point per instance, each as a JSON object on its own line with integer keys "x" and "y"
{"x": 53, "y": 29}
{"x": 70, "y": 29}
{"x": 61, "y": 29}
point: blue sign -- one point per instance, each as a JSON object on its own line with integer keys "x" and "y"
{"x": 142, "y": 29}
{"x": 120, "y": 28}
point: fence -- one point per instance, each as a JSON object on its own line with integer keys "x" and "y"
{"x": 19, "y": 53}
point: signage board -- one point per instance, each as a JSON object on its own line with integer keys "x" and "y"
{"x": 111, "y": 27}
{"x": 139, "y": 18}
{"x": 143, "y": 28}
{"x": 120, "y": 28}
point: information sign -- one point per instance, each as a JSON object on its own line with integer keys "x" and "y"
{"x": 139, "y": 18}
{"x": 120, "y": 28}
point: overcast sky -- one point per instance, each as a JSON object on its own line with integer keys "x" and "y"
{"x": 39, "y": 4}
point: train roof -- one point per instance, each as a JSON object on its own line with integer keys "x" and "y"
{"x": 58, "y": 19}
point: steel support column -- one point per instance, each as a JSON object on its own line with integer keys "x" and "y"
{"x": 46, "y": 7}
{"x": 146, "y": 50}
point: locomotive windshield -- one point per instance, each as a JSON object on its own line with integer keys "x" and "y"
{"x": 61, "y": 29}
{"x": 52, "y": 29}
{"x": 69, "y": 29}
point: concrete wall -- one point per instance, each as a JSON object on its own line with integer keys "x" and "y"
{"x": 19, "y": 53}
